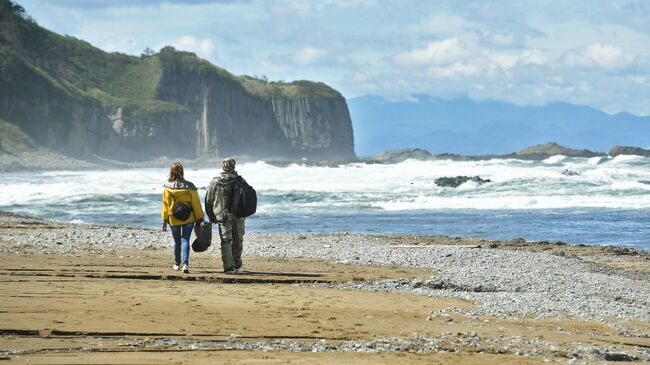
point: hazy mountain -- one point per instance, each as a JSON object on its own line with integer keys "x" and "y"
{"x": 465, "y": 126}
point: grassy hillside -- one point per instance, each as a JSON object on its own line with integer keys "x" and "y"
{"x": 291, "y": 90}
{"x": 13, "y": 140}
{"x": 117, "y": 79}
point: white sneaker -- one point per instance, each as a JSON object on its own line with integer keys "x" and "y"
{"x": 186, "y": 269}
{"x": 176, "y": 267}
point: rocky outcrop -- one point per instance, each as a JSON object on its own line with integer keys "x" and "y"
{"x": 544, "y": 151}
{"x": 627, "y": 150}
{"x": 538, "y": 152}
{"x": 78, "y": 100}
{"x": 400, "y": 155}
{"x": 454, "y": 182}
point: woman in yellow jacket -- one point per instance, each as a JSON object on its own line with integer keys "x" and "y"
{"x": 181, "y": 207}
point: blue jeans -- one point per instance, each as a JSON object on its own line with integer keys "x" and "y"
{"x": 181, "y": 234}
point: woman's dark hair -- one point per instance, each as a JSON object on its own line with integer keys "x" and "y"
{"x": 175, "y": 172}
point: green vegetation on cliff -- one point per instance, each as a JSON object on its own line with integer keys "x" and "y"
{"x": 169, "y": 57}
{"x": 13, "y": 140}
{"x": 296, "y": 89}
{"x": 82, "y": 70}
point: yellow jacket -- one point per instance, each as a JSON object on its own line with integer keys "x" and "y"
{"x": 180, "y": 191}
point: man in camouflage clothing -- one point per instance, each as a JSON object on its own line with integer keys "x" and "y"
{"x": 218, "y": 206}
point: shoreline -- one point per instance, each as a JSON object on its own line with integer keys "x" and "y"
{"x": 513, "y": 244}
{"x": 560, "y": 248}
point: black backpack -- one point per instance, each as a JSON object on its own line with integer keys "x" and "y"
{"x": 181, "y": 211}
{"x": 244, "y": 199}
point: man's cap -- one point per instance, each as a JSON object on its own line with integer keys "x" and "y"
{"x": 229, "y": 164}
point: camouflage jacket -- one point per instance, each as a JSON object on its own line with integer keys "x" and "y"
{"x": 219, "y": 195}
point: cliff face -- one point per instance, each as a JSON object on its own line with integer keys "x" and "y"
{"x": 71, "y": 97}
{"x": 316, "y": 125}
{"x": 44, "y": 110}
{"x": 232, "y": 118}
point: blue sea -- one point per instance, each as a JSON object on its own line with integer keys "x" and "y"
{"x": 605, "y": 201}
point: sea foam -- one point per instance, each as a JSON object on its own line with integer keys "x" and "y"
{"x": 409, "y": 185}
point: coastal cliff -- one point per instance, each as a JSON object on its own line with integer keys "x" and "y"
{"x": 73, "y": 98}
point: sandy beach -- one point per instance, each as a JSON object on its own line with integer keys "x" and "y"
{"x": 76, "y": 293}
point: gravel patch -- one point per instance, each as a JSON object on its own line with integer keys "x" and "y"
{"x": 466, "y": 342}
{"x": 508, "y": 284}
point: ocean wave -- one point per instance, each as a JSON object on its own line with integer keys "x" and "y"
{"x": 630, "y": 185}
{"x": 596, "y": 160}
{"x": 554, "y": 159}
{"x": 615, "y": 183}
{"x": 626, "y": 158}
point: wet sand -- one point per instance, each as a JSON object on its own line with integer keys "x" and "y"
{"x": 132, "y": 308}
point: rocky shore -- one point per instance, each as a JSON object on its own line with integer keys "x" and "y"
{"x": 505, "y": 281}
{"x": 47, "y": 160}
{"x": 40, "y": 161}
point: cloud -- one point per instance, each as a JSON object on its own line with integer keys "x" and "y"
{"x": 440, "y": 24}
{"x": 504, "y": 61}
{"x": 533, "y": 57}
{"x": 202, "y": 47}
{"x": 435, "y": 53}
{"x": 311, "y": 6}
{"x": 456, "y": 70}
{"x": 447, "y": 59}
{"x": 629, "y": 13}
{"x": 596, "y": 54}
{"x": 308, "y": 55}
{"x": 123, "y": 43}
{"x": 361, "y": 77}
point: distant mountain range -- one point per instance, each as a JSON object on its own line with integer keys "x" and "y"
{"x": 468, "y": 127}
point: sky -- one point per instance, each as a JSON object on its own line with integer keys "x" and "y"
{"x": 587, "y": 52}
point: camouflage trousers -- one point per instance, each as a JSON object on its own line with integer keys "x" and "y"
{"x": 232, "y": 242}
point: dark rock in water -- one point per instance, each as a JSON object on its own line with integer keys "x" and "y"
{"x": 568, "y": 172}
{"x": 454, "y": 182}
{"x": 400, "y": 155}
{"x": 543, "y": 151}
{"x": 627, "y": 150}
